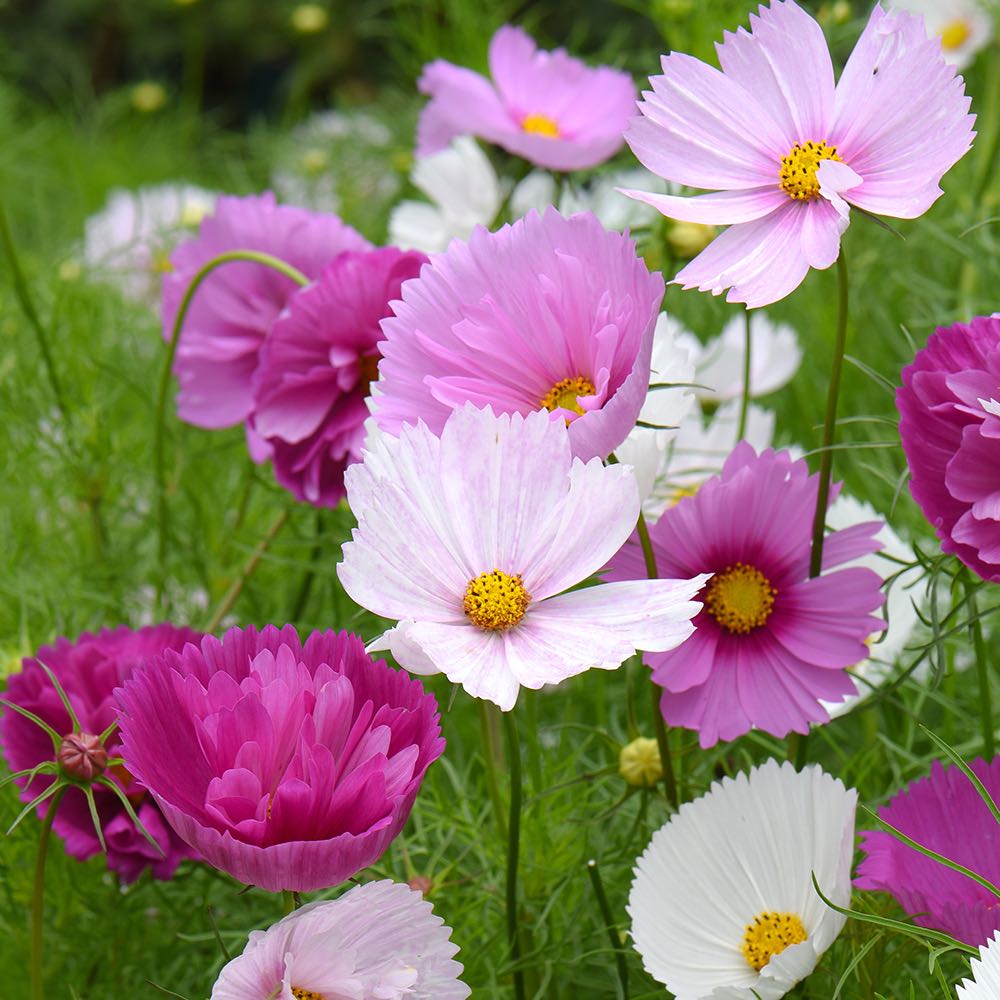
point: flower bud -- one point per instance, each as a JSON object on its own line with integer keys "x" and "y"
{"x": 688, "y": 239}
{"x": 421, "y": 884}
{"x": 639, "y": 762}
{"x": 82, "y": 756}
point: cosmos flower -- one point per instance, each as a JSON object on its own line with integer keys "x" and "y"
{"x": 770, "y": 643}
{"x": 548, "y": 313}
{"x": 985, "y": 982}
{"x": 963, "y": 26}
{"x": 722, "y": 903}
{"x": 289, "y": 765}
{"x": 787, "y": 154}
{"x": 88, "y": 670}
{"x": 470, "y": 539}
{"x": 546, "y": 107}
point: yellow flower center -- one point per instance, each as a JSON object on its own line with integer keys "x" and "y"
{"x": 769, "y": 934}
{"x": 160, "y": 262}
{"x": 798, "y": 169}
{"x": 954, "y": 34}
{"x": 301, "y": 994}
{"x": 639, "y": 762}
{"x": 496, "y": 601}
{"x": 563, "y": 395}
{"x": 540, "y": 125}
{"x": 740, "y": 598}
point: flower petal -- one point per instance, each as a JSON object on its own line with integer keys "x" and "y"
{"x": 722, "y": 208}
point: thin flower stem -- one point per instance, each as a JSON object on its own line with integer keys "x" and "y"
{"x": 747, "y": 388}
{"x": 982, "y": 667}
{"x": 489, "y": 728}
{"x": 513, "y": 851}
{"x": 38, "y": 897}
{"x": 609, "y": 923}
{"x": 290, "y": 901}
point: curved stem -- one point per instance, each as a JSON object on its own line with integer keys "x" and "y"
{"x": 982, "y": 667}
{"x": 38, "y": 897}
{"x": 513, "y": 850}
{"x": 747, "y": 388}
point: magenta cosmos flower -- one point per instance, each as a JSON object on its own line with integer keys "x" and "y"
{"x": 549, "y": 313}
{"x": 470, "y": 539}
{"x": 547, "y": 107}
{"x": 316, "y": 368}
{"x": 88, "y": 671}
{"x": 788, "y": 153}
{"x": 770, "y": 643}
{"x": 289, "y": 766}
{"x": 379, "y": 940}
{"x": 950, "y": 427}
{"x": 944, "y": 813}
{"x": 233, "y": 310}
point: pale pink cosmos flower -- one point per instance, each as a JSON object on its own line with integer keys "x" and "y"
{"x": 786, "y": 153}
{"x": 547, "y": 107}
{"x": 470, "y": 540}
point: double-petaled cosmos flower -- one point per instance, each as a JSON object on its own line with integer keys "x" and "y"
{"x": 787, "y": 153}
{"x": 470, "y": 539}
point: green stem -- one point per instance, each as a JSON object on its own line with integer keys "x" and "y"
{"x": 492, "y": 760}
{"x": 513, "y": 850}
{"x": 290, "y": 901}
{"x": 305, "y": 588}
{"x": 609, "y": 923}
{"x": 830, "y": 423}
{"x": 982, "y": 667}
{"x": 38, "y": 897}
{"x": 747, "y": 388}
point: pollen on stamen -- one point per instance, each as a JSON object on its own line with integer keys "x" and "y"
{"x": 301, "y": 994}
{"x": 769, "y": 934}
{"x": 496, "y": 601}
{"x": 740, "y": 598}
{"x": 564, "y": 395}
{"x": 540, "y": 125}
{"x": 798, "y": 174}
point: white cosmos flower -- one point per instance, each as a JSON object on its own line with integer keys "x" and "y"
{"x": 963, "y": 26}
{"x": 722, "y": 903}
{"x": 985, "y": 981}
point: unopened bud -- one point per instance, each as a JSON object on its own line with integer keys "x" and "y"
{"x": 421, "y": 884}
{"x": 688, "y": 239}
{"x": 82, "y": 756}
{"x": 639, "y": 762}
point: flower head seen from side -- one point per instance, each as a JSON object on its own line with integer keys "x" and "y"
{"x": 951, "y": 435}
{"x": 88, "y": 670}
{"x": 723, "y": 904}
{"x": 546, "y": 107}
{"x": 316, "y": 367}
{"x": 785, "y": 153}
{"x": 292, "y": 765}
{"x": 379, "y": 940}
{"x": 942, "y": 811}
{"x": 985, "y": 982}
{"x": 470, "y": 540}
{"x": 963, "y": 26}
{"x": 548, "y": 314}
{"x": 770, "y": 643}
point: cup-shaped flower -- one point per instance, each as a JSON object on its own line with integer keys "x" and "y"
{"x": 950, "y": 430}
{"x": 548, "y": 313}
{"x": 379, "y": 940}
{"x": 786, "y": 153}
{"x": 288, "y": 765}
{"x": 470, "y": 539}
{"x": 770, "y": 643}
{"x": 985, "y": 982}
{"x": 88, "y": 670}
{"x": 547, "y": 107}
{"x": 723, "y": 903}
{"x": 316, "y": 367}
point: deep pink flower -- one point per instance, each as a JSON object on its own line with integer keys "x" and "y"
{"x": 545, "y": 106}
{"x": 289, "y": 766}
{"x": 787, "y": 153}
{"x": 89, "y": 670}
{"x": 317, "y": 365}
{"x": 548, "y": 313}
{"x": 951, "y": 435}
{"x": 943, "y": 812}
{"x": 234, "y": 308}
{"x": 770, "y": 643}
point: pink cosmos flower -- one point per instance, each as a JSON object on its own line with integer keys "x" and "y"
{"x": 233, "y": 310}
{"x": 470, "y": 539}
{"x": 944, "y": 812}
{"x": 89, "y": 670}
{"x": 379, "y": 940}
{"x": 788, "y": 153}
{"x": 770, "y": 643}
{"x": 316, "y": 369}
{"x": 548, "y": 313}
{"x": 547, "y": 107}
{"x": 950, "y": 429}
{"x": 288, "y": 765}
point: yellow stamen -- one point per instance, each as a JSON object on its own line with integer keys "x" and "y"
{"x": 563, "y": 395}
{"x": 496, "y": 601}
{"x": 540, "y": 125}
{"x": 954, "y": 33}
{"x": 798, "y": 169}
{"x": 301, "y": 994}
{"x": 740, "y": 598}
{"x": 769, "y": 934}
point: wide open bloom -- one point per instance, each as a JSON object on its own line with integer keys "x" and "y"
{"x": 963, "y": 26}
{"x": 379, "y": 940}
{"x": 787, "y": 153}
{"x": 89, "y": 670}
{"x": 470, "y": 539}
{"x": 985, "y": 982}
{"x": 722, "y": 903}
{"x": 233, "y": 310}
{"x": 547, "y": 107}
{"x": 316, "y": 368}
{"x": 548, "y": 313}
{"x": 950, "y": 430}
{"x": 288, "y": 765}
{"x": 770, "y": 643}
{"x": 944, "y": 812}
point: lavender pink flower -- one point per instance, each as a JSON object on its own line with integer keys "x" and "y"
{"x": 289, "y": 765}
{"x": 547, "y": 107}
{"x": 89, "y": 669}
